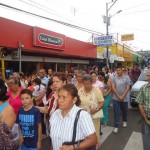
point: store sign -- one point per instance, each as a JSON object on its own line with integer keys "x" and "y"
{"x": 48, "y": 39}
{"x": 103, "y": 40}
{"x": 127, "y": 37}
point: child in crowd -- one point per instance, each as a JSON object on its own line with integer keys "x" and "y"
{"x": 37, "y": 90}
{"x": 29, "y": 120}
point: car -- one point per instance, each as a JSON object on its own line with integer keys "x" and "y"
{"x": 142, "y": 80}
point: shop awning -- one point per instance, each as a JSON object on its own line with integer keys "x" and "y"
{"x": 121, "y": 59}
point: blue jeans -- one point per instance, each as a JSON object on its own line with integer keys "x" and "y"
{"x": 124, "y": 108}
{"x": 23, "y": 147}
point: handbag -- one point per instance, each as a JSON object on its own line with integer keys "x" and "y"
{"x": 98, "y": 114}
{"x": 74, "y": 134}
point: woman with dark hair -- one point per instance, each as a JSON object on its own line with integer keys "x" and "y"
{"x": 107, "y": 96}
{"x": 64, "y": 117}
{"x": 7, "y": 114}
{"x": 49, "y": 88}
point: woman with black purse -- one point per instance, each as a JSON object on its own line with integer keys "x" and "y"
{"x": 71, "y": 127}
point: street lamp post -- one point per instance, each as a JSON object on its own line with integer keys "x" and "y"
{"x": 107, "y": 21}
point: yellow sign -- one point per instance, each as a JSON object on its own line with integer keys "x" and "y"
{"x": 127, "y": 37}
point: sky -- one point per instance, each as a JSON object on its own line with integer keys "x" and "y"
{"x": 134, "y": 18}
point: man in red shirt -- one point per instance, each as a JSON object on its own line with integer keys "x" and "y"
{"x": 135, "y": 73}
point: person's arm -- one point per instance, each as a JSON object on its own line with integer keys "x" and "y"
{"x": 20, "y": 136}
{"x": 10, "y": 116}
{"x": 115, "y": 91}
{"x": 100, "y": 100}
{"x": 38, "y": 98}
{"x": 39, "y": 144}
{"x": 141, "y": 109}
{"x": 125, "y": 93}
{"x": 88, "y": 129}
{"x": 43, "y": 109}
{"x": 126, "y": 90}
{"x": 109, "y": 84}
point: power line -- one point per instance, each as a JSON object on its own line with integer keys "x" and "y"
{"x": 137, "y": 6}
{"x": 136, "y": 12}
{"x": 53, "y": 12}
{"x": 129, "y": 28}
{"x": 57, "y": 21}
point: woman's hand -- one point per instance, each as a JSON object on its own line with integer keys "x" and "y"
{"x": 66, "y": 147}
{"x": 93, "y": 111}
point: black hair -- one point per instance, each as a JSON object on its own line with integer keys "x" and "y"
{"x": 73, "y": 92}
{"x": 37, "y": 81}
{"x": 119, "y": 67}
{"x": 3, "y": 90}
{"x": 103, "y": 75}
{"x": 70, "y": 75}
{"x": 26, "y": 91}
{"x": 48, "y": 91}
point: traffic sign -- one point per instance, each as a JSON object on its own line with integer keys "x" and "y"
{"x": 103, "y": 40}
{"x": 127, "y": 37}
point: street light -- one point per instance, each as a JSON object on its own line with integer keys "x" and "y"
{"x": 107, "y": 21}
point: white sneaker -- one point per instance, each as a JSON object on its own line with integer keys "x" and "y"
{"x": 124, "y": 124}
{"x": 115, "y": 130}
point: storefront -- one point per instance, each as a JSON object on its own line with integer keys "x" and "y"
{"x": 128, "y": 56}
{"x": 41, "y": 48}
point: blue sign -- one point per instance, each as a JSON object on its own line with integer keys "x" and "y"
{"x": 103, "y": 40}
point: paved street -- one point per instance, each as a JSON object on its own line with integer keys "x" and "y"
{"x": 127, "y": 138}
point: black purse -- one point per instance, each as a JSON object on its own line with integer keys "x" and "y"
{"x": 74, "y": 134}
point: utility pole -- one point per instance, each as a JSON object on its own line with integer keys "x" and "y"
{"x": 107, "y": 21}
{"x": 107, "y": 24}
{"x": 2, "y": 62}
{"x": 20, "y": 55}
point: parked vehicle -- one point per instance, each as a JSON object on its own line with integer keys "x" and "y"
{"x": 136, "y": 87}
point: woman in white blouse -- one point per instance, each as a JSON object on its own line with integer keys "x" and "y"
{"x": 62, "y": 122}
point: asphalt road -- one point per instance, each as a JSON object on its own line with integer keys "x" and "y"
{"x": 118, "y": 141}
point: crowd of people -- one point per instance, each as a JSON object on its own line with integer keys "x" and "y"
{"x": 46, "y": 105}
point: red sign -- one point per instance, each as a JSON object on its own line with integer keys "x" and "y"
{"x": 48, "y": 39}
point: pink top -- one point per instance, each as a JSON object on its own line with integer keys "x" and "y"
{"x": 15, "y": 102}
{"x": 98, "y": 84}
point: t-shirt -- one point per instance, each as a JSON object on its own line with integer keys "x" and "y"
{"x": 28, "y": 121}
{"x": 120, "y": 85}
{"x": 15, "y": 102}
{"x": 98, "y": 84}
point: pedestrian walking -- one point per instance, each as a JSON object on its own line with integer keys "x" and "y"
{"x": 62, "y": 122}
{"x": 120, "y": 88}
{"x": 29, "y": 120}
{"x": 143, "y": 100}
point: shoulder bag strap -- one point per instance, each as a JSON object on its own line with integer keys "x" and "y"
{"x": 75, "y": 125}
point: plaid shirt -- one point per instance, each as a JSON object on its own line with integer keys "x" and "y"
{"x": 143, "y": 98}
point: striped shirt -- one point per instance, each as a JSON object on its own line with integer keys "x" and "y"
{"x": 143, "y": 98}
{"x": 62, "y": 128}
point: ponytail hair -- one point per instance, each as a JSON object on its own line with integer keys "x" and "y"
{"x": 73, "y": 92}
